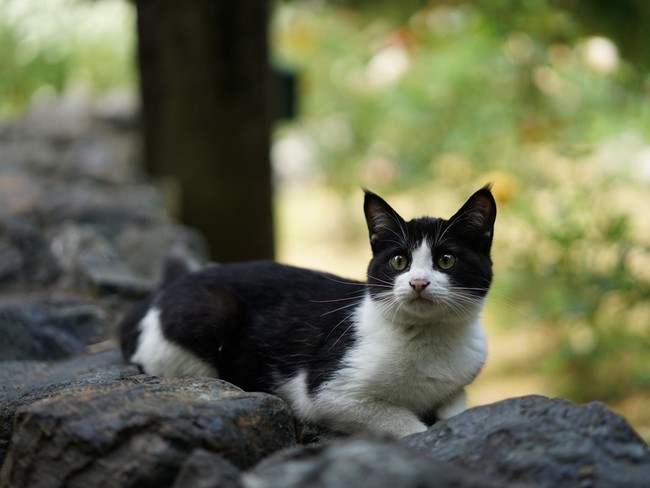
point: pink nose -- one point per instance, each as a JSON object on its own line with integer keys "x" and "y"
{"x": 419, "y": 285}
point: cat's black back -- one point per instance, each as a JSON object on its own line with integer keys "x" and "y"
{"x": 257, "y": 323}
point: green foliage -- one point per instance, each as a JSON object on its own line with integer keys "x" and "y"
{"x": 447, "y": 82}
{"x": 463, "y": 92}
{"x": 581, "y": 274}
{"x": 57, "y": 44}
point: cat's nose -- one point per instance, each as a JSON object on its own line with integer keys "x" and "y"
{"x": 419, "y": 285}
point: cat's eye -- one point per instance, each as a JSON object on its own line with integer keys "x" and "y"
{"x": 399, "y": 262}
{"x": 446, "y": 261}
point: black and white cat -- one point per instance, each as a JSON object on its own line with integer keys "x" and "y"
{"x": 390, "y": 355}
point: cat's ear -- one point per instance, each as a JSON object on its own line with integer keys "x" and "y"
{"x": 384, "y": 223}
{"x": 478, "y": 215}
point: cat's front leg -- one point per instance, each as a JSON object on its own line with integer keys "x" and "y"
{"x": 398, "y": 422}
{"x": 371, "y": 416}
{"x": 453, "y": 406}
{"x": 340, "y": 410}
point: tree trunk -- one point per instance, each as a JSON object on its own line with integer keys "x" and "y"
{"x": 204, "y": 80}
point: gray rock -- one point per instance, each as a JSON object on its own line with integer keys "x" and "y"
{"x": 47, "y": 326}
{"x": 138, "y": 432}
{"x": 92, "y": 264}
{"x": 108, "y": 207}
{"x": 33, "y": 380}
{"x": 205, "y": 469}
{"x": 25, "y": 382}
{"x": 64, "y": 118}
{"x": 117, "y": 279}
{"x": 541, "y": 442}
{"x": 11, "y": 262}
{"x": 102, "y": 157}
{"x": 19, "y": 191}
{"x": 145, "y": 248}
{"x": 120, "y": 109}
{"x": 359, "y": 463}
{"x": 27, "y": 261}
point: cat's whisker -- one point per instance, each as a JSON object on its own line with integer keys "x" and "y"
{"x": 402, "y": 227}
{"x": 336, "y": 300}
{"x": 357, "y": 283}
{"x": 402, "y": 238}
{"x": 389, "y": 304}
{"x": 340, "y": 308}
{"x": 397, "y": 309}
{"x": 342, "y": 281}
{"x": 379, "y": 285}
{"x": 344, "y": 319}
{"x": 398, "y": 243}
{"x": 343, "y": 334}
{"x": 466, "y": 297}
{"x": 457, "y": 219}
{"x": 506, "y": 301}
{"x": 385, "y": 282}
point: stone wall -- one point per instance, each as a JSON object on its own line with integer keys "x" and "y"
{"x": 82, "y": 236}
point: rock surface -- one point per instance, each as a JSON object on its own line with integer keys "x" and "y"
{"x": 206, "y": 469}
{"x": 82, "y": 237}
{"x": 50, "y": 326}
{"x": 76, "y": 219}
{"x": 360, "y": 463}
{"x": 25, "y": 382}
{"x": 541, "y": 442}
{"x": 139, "y": 431}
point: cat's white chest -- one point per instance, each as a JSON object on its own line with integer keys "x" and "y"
{"x": 415, "y": 368}
{"x": 392, "y": 377}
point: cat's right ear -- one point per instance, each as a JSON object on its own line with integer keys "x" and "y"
{"x": 384, "y": 223}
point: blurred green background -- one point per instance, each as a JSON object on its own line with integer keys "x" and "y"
{"x": 425, "y": 102}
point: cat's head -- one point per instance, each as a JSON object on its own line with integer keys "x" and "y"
{"x": 431, "y": 269}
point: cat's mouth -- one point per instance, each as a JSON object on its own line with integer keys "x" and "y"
{"x": 423, "y": 301}
{"x": 420, "y": 298}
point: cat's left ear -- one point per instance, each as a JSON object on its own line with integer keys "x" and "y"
{"x": 384, "y": 223}
{"x": 478, "y": 215}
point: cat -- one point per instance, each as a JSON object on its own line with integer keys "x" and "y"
{"x": 389, "y": 355}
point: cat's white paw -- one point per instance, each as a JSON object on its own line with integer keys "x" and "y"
{"x": 401, "y": 425}
{"x": 454, "y": 406}
{"x": 415, "y": 429}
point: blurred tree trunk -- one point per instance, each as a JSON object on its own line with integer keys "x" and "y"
{"x": 204, "y": 81}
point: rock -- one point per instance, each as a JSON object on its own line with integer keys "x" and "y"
{"x": 205, "y": 469}
{"x": 107, "y": 207}
{"x": 119, "y": 108}
{"x": 66, "y": 117}
{"x": 359, "y": 463}
{"x": 138, "y": 432}
{"x": 11, "y": 262}
{"x": 27, "y": 261}
{"x": 25, "y": 382}
{"x": 47, "y": 326}
{"x": 145, "y": 248}
{"x": 541, "y": 442}
{"x": 19, "y": 192}
{"x": 115, "y": 280}
{"x": 28, "y": 378}
{"x": 92, "y": 264}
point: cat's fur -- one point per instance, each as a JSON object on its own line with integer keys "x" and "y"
{"x": 391, "y": 354}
